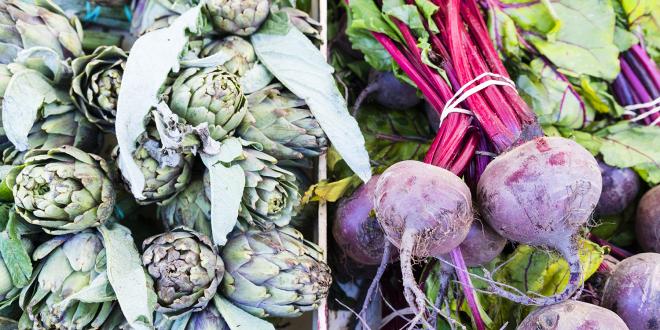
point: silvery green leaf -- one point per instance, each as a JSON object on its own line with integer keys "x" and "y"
{"x": 238, "y": 319}
{"x": 227, "y": 184}
{"x": 14, "y": 253}
{"x": 216, "y": 59}
{"x": 127, "y": 276}
{"x": 255, "y": 79}
{"x": 26, "y": 93}
{"x": 299, "y": 65}
{"x": 99, "y": 290}
{"x": 151, "y": 59}
{"x": 44, "y": 60}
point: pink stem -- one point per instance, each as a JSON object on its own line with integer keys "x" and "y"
{"x": 466, "y": 283}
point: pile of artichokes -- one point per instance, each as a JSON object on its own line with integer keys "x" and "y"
{"x": 63, "y": 190}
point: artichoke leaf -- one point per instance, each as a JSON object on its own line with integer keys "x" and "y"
{"x": 127, "y": 276}
{"x": 14, "y": 253}
{"x": 298, "y": 65}
{"x": 237, "y": 318}
{"x": 141, "y": 82}
{"x": 227, "y": 184}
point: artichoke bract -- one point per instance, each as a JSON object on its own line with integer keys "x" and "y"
{"x": 186, "y": 270}
{"x": 70, "y": 288}
{"x": 240, "y": 54}
{"x": 239, "y": 17}
{"x": 64, "y": 190}
{"x": 190, "y": 208}
{"x": 274, "y": 273}
{"x": 96, "y": 83}
{"x": 38, "y": 23}
{"x": 210, "y": 96}
{"x": 304, "y": 23}
{"x": 283, "y": 126}
{"x": 208, "y": 318}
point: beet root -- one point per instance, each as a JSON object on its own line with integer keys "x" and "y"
{"x": 620, "y": 187}
{"x": 647, "y": 221}
{"x": 424, "y": 211}
{"x": 388, "y": 91}
{"x": 355, "y": 230}
{"x": 481, "y": 245}
{"x": 633, "y": 291}
{"x": 572, "y": 315}
{"x": 540, "y": 193}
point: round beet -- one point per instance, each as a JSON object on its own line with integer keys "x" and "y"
{"x": 425, "y": 211}
{"x": 481, "y": 245}
{"x": 633, "y": 291}
{"x": 620, "y": 187}
{"x": 647, "y": 223}
{"x": 388, "y": 91}
{"x": 356, "y": 231}
{"x": 572, "y": 315}
{"x": 540, "y": 193}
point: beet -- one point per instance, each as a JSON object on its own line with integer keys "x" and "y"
{"x": 647, "y": 222}
{"x": 481, "y": 245}
{"x": 424, "y": 211}
{"x": 572, "y": 315}
{"x": 540, "y": 193}
{"x": 355, "y": 230}
{"x": 620, "y": 187}
{"x": 388, "y": 91}
{"x": 633, "y": 291}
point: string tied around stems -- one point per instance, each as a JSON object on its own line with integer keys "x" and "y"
{"x": 471, "y": 88}
{"x": 655, "y": 108}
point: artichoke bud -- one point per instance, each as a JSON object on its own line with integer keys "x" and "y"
{"x": 239, "y": 53}
{"x": 64, "y": 190}
{"x": 274, "y": 273}
{"x": 208, "y": 318}
{"x": 67, "y": 267}
{"x": 282, "y": 124}
{"x": 186, "y": 270}
{"x": 96, "y": 83}
{"x": 190, "y": 208}
{"x": 210, "y": 96}
{"x": 304, "y": 23}
{"x": 239, "y": 17}
{"x": 27, "y": 24}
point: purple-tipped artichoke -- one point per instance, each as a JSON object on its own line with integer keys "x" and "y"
{"x": 274, "y": 273}
{"x": 186, "y": 270}
{"x": 239, "y": 17}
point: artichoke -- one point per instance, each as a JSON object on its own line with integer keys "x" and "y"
{"x": 270, "y": 196}
{"x": 96, "y": 83}
{"x": 210, "y": 96}
{"x": 280, "y": 122}
{"x": 40, "y": 23}
{"x": 304, "y": 23}
{"x": 64, "y": 190}
{"x": 274, "y": 273}
{"x": 240, "y": 54}
{"x": 190, "y": 208}
{"x": 186, "y": 270}
{"x": 70, "y": 288}
{"x": 239, "y": 17}
{"x": 208, "y": 318}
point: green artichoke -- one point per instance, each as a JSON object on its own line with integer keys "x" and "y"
{"x": 240, "y": 54}
{"x": 208, "y": 318}
{"x": 274, "y": 273}
{"x": 190, "y": 208}
{"x": 96, "y": 83}
{"x": 186, "y": 270}
{"x": 239, "y": 17}
{"x": 64, "y": 190}
{"x": 304, "y": 23}
{"x": 210, "y": 96}
{"x": 40, "y": 23}
{"x": 70, "y": 289}
{"x": 280, "y": 122}
{"x": 270, "y": 197}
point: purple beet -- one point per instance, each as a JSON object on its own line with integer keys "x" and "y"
{"x": 633, "y": 291}
{"x": 647, "y": 223}
{"x": 572, "y": 315}
{"x": 388, "y": 91}
{"x": 541, "y": 193}
{"x": 620, "y": 187}
{"x": 481, "y": 245}
{"x": 355, "y": 230}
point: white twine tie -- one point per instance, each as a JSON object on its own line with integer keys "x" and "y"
{"x": 630, "y": 110}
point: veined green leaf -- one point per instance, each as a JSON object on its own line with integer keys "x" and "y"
{"x": 298, "y": 65}
{"x": 129, "y": 280}
{"x": 644, "y": 16}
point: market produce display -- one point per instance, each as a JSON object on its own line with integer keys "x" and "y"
{"x": 543, "y": 115}
{"x": 154, "y": 159}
